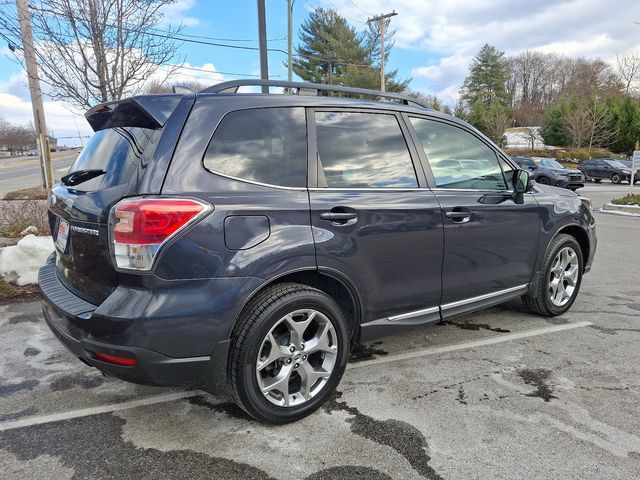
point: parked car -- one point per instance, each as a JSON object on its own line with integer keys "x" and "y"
{"x": 547, "y": 171}
{"x": 598, "y": 169}
{"x": 629, "y": 164}
{"x": 242, "y": 243}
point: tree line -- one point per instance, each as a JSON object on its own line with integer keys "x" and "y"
{"x": 578, "y": 102}
{"x": 16, "y": 138}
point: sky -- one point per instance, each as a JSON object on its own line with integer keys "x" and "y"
{"x": 435, "y": 42}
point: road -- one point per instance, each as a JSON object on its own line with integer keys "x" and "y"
{"x": 24, "y": 172}
{"x": 498, "y": 394}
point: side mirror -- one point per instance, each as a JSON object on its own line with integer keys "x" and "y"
{"x": 522, "y": 183}
{"x": 533, "y": 167}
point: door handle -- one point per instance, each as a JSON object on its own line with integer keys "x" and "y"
{"x": 340, "y": 216}
{"x": 333, "y": 216}
{"x": 458, "y": 216}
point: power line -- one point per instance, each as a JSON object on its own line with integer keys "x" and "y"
{"x": 358, "y": 7}
{"x": 336, "y": 9}
{"x": 204, "y": 37}
{"x": 171, "y": 36}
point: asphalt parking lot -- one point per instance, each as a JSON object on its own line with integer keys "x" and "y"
{"x": 496, "y": 394}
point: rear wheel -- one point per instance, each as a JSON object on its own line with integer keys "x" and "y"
{"x": 288, "y": 354}
{"x": 562, "y": 275}
{"x": 616, "y": 178}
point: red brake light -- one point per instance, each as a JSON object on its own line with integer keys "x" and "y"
{"x": 152, "y": 221}
{"x": 116, "y": 360}
{"x": 140, "y": 226}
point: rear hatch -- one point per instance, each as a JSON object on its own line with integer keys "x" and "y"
{"x": 107, "y": 170}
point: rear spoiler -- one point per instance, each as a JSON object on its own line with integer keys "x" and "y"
{"x": 144, "y": 111}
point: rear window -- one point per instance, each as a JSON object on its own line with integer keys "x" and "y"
{"x": 117, "y": 151}
{"x": 267, "y": 145}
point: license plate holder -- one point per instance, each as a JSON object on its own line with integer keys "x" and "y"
{"x": 62, "y": 238}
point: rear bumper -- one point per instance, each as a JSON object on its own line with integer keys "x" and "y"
{"x": 65, "y": 313}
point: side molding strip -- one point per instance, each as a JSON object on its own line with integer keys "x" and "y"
{"x": 416, "y": 313}
{"x": 486, "y": 296}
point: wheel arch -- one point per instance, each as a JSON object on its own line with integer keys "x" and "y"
{"x": 332, "y": 283}
{"x": 581, "y": 236}
{"x": 573, "y": 230}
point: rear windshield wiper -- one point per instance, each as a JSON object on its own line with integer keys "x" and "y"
{"x": 75, "y": 178}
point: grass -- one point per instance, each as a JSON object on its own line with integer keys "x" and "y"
{"x": 33, "y": 193}
{"x": 629, "y": 199}
{"x": 5, "y": 288}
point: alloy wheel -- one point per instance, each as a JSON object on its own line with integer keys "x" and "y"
{"x": 296, "y": 358}
{"x": 563, "y": 276}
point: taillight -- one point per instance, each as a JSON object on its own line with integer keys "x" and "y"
{"x": 140, "y": 226}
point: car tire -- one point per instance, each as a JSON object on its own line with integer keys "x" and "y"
{"x": 546, "y": 300}
{"x": 616, "y": 178}
{"x": 543, "y": 181}
{"x": 279, "y": 315}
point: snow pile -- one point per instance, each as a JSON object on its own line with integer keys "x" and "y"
{"x": 20, "y": 263}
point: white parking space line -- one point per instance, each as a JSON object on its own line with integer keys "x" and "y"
{"x": 471, "y": 344}
{"x": 85, "y": 412}
{"x": 170, "y": 397}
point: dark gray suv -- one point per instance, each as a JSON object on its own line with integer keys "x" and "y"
{"x": 242, "y": 243}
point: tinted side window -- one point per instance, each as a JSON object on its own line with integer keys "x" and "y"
{"x": 267, "y": 145}
{"x": 457, "y": 158}
{"x": 362, "y": 150}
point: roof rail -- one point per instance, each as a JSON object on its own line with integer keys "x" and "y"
{"x": 300, "y": 88}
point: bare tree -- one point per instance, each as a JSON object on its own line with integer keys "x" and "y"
{"x": 99, "y": 50}
{"x": 600, "y": 131}
{"x": 15, "y": 138}
{"x": 531, "y": 135}
{"x": 588, "y": 125}
{"x": 575, "y": 124}
{"x": 495, "y": 121}
{"x": 628, "y": 67}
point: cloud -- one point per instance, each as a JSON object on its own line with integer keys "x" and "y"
{"x": 206, "y": 74}
{"x": 443, "y": 36}
{"x": 174, "y": 13}
{"x": 60, "y": 119}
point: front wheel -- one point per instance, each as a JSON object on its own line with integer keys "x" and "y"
{"x": 288, "y": 353}
{"x": 616, "y": 178}
{"x": 543, "y": 180}
{"x": 562, "y": 276}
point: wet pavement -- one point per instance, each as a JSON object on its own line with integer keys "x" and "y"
{"x": 496, "y": 394}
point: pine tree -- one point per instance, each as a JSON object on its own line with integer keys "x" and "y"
{"x": 487, "y": 78}
{"x": 331, "y": 51}
{"x": 328, "y": 46}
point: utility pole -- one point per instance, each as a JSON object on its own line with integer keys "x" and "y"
{"x": 36, "y": 94}
{"x": 381, "y": 19}
{"x": 289, "y": 38}
{"x": 262, "y": 36}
